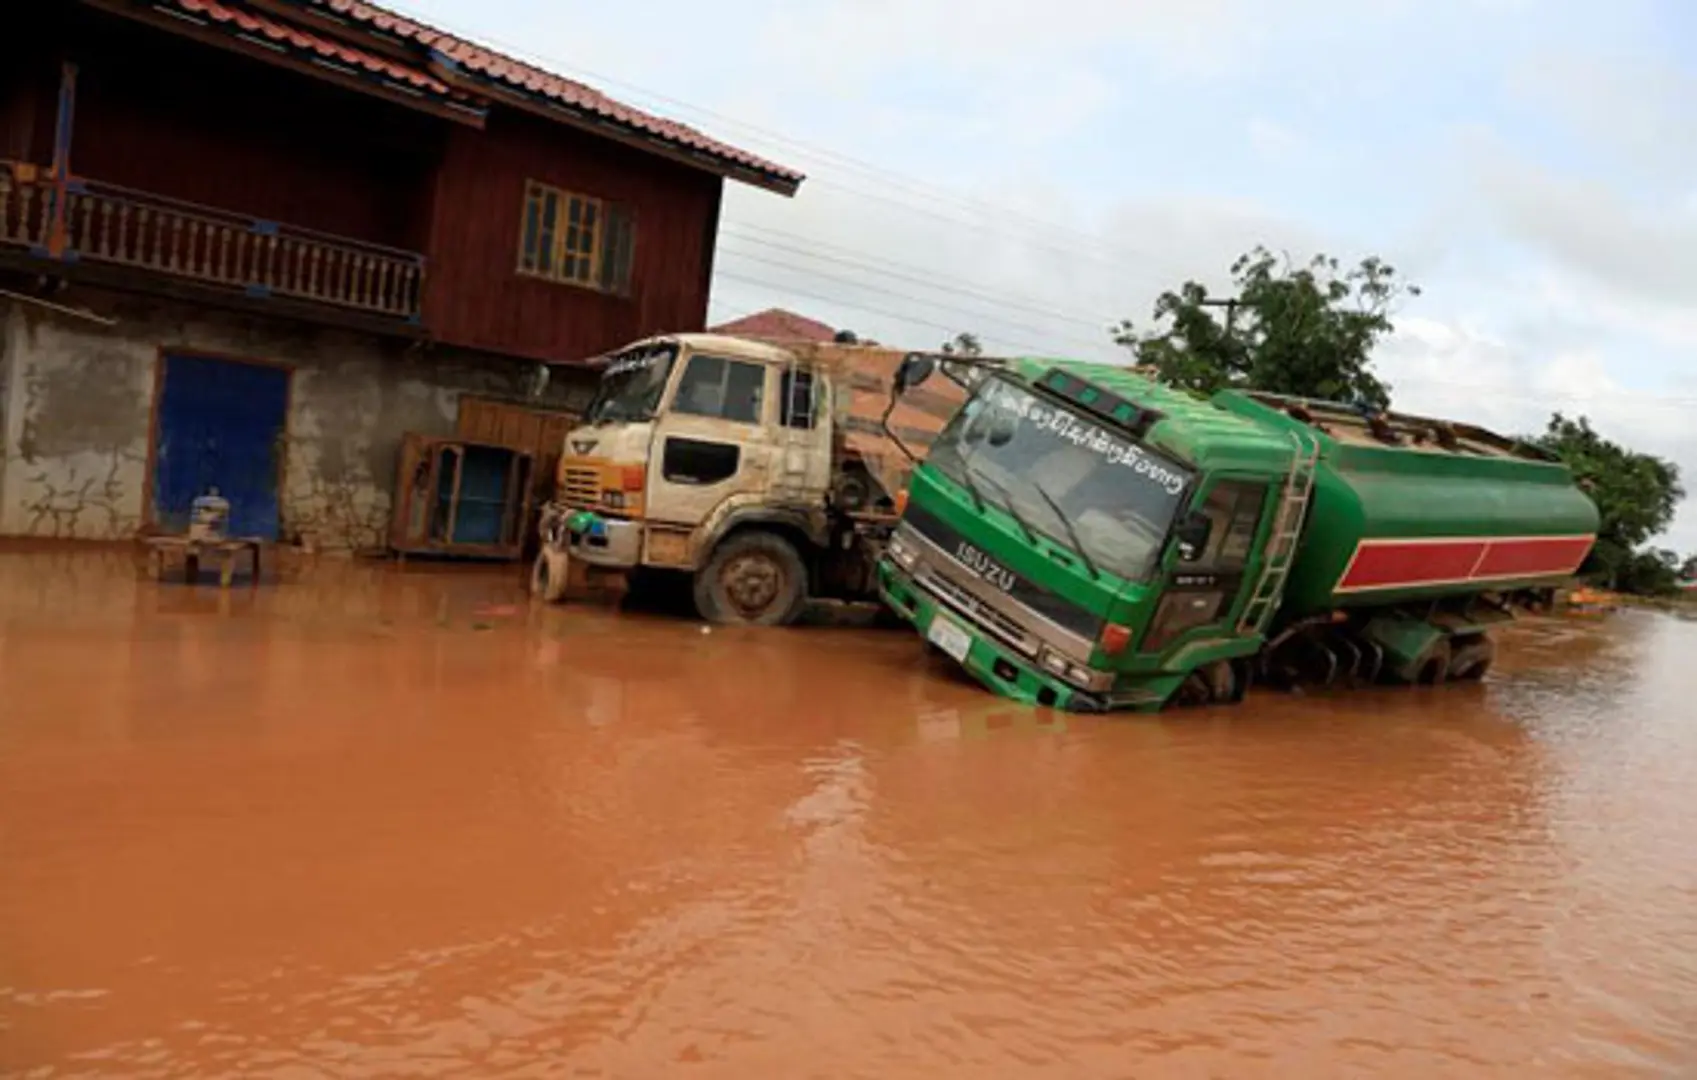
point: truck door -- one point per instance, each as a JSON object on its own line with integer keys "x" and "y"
{"x": 712, "y": 441}
{"x": 803, "y": 436}
{"x": 1205, "y": 588}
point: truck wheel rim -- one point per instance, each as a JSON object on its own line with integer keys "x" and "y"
{"x": 752, "y": 584}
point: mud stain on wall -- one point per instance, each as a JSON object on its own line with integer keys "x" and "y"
{"x": 76, "y": 415}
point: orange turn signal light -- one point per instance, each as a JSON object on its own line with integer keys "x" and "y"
{"x": 632, "y": 478}
{"x": 901, "y": 502}
{"x": 1115, "y": 638}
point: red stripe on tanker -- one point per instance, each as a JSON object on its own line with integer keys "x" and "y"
{"x": 1400, "y": 563}
{"x": 1544, "y": 555}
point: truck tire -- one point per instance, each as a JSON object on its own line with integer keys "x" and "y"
{"x": 1434, "y": 667}
{"x": 1217, "y": 683}
{"x": 752, "y": 579}
{"x": 1430, "y": 669}
{"x": 548, "y": 577}
{"x": 1470, "y": 662}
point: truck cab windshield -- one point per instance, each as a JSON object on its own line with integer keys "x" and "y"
{"x": 1053, "y": 467}
{"x": 632, "y": 385}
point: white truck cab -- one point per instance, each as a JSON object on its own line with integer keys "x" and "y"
{"x": 742, "y": 463}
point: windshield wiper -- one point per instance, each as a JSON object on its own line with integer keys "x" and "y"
{"x": 1066, "y": 523}
{"x": 965, "y": 480}
{"x": 1007, "y": 506}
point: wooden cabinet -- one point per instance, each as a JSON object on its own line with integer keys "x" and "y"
{"x": 461, "y": 497}
{"x": 539, "y": 432}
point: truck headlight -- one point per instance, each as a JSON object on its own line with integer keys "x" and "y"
{"x": 1076, "y": 674}
{"x": 613, "y": 500}
{"x": 903, "y": 555}
{"x": 1092, "y": 680}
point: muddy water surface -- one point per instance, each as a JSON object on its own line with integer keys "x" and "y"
{"x": 384, "y": 825}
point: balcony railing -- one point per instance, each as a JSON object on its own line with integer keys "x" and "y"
{"x": 104, "y": 223}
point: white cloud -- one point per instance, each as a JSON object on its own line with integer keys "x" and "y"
{"x": 1461, "y": 368}
{"x": 1645, "y": 247}
{"x": 1636, "y": 106}
{"x": 1275, "y": 142}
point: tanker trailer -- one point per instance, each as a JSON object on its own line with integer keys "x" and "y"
{"x": 1083, "y": 537}
{"x": 1421, "y": 536}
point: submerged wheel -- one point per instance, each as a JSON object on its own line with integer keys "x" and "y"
{"x": 1434, "y": 667}
{"x": 1470, "y": 662}
{"x": 753, "y": 579}
{"x": 548, "y": 577}
{"x": 1349, "y": 656}
{"x": 1429, "y": 669}
{"x": 1210, "y": 684}
{"x": 1372, "y": 661}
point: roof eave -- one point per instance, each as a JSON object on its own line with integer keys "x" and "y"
{"x": 203, "y": 31}
{"x": 552, "y": 109}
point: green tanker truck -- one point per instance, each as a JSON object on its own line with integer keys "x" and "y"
{"x": 1083, "y": 537}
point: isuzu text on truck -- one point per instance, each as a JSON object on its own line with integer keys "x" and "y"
{"x": 1083, "y": 537}
{"x": 763, "y": 472}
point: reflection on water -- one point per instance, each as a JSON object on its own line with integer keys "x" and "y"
{"x": 370, "y": 823}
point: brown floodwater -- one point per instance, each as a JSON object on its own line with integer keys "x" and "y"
{"x": 372, "y": 823}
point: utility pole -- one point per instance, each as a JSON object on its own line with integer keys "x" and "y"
{"x": 1230, "y": 303}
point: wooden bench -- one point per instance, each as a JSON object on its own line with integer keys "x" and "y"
{"x": 227, "y": 551}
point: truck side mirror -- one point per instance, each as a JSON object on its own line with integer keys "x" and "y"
{"x": 915, "y": 369}
{"x": 1192, "y": 534}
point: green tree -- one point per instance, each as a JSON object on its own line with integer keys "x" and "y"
{"x": 1651, "y": 572}
{"x": 1688, "y": 569}
{"x": 1303, "y": 330}
{"x": 1636, "y": 495}
{"x": 963, "y": 344}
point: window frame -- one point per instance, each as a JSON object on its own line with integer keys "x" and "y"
{"x": 788, "y": 381}
{"x": 592, "y": 266}
{"x": 688, "y": 361}
{"x": 1251, "y": 511}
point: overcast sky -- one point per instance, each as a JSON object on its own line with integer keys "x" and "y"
{"x": 1033, "y": 171}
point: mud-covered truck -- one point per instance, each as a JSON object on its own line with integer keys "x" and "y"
{"x": 1083, "y": 537}
{"x": 764, "y": 472}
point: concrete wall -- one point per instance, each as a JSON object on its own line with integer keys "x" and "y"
{"x": 77, "y": 398}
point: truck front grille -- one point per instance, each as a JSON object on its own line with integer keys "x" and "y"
{"x": 580, "y": 486}
{"x": 982, "y": 614}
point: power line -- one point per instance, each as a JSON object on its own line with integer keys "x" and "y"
{"x": 972, "y": 320}
{"x": 1034, "y": 350}
{"x": 1113, "y": 254}
{"x": 1542, "y": 399}
{"x": 887, "y": 267}
{"x": 969, "y": 316}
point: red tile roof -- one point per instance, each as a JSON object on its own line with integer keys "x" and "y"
{"x": 290, "y": 37}
{"x": 777, "y": 324}
{"x": 533, "y": 80}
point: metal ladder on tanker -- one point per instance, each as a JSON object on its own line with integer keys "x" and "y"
{"x": 1287, "y": 531}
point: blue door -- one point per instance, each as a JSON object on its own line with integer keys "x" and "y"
{"x": 219, "y": 426}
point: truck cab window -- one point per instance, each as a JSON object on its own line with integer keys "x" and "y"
{"x": 1234, "y": 507}
{"x": 723, "y": 389}
{"x": 796, "y": 398}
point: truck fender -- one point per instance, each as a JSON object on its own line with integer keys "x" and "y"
{"x": 739, "y": 511}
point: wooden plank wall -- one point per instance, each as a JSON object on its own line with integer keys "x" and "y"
{"x": 540, "y": 431}
{"x": 29, "y": 80}
{"x": 176, "y": 118}
{"x": 476, "y": 298}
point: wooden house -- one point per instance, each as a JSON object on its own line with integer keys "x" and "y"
{"x": 247, "y": 244}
